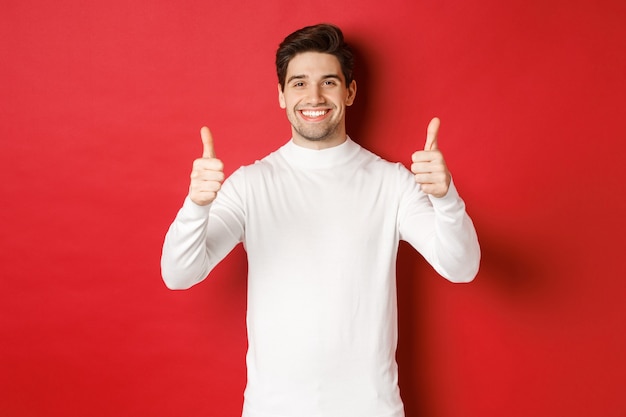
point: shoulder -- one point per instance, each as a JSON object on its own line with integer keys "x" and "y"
{"x": 267, "y": 165}
{"x": 378, "y": 163}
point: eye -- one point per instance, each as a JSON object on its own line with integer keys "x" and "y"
{"x": 298, "y": 84}
{"x": 330, "y": 83}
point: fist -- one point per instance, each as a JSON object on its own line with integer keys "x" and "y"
{"x": 207, "y": 174}
{"x": 429, "y": 167}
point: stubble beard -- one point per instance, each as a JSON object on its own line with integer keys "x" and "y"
{"x": 316, "y": 132}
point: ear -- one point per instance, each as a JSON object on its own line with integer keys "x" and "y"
{"x": 281, "y": 98}
{"x": 351, "y": 93}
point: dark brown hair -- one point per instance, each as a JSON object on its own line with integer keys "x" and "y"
{"x": 324, "y": 38}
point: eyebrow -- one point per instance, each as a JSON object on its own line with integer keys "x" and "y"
{"x": 303, "y": 77}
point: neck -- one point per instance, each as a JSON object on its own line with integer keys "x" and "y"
{"x": 331, "y": 141}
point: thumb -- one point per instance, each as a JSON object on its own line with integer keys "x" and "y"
{"x": 431, "y": 135}
{"x": 207, "y": 143}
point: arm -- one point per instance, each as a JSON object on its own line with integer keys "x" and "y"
{"x": 206, "y": 228}
{"x": 441, "y": 230}
{"x": 198, "y": 239}
{"x": 436, "y": 223}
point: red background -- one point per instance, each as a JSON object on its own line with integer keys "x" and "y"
{"x": 101, "y": 105}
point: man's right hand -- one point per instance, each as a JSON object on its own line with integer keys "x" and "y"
{"x": 207, "y": 174}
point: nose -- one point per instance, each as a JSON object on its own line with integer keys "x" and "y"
{"x": 315, "y": 95}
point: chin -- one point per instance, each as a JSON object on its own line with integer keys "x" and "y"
{"x": 317, "y": 136}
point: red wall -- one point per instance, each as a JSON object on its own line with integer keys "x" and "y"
{"x": 100, "y": 109}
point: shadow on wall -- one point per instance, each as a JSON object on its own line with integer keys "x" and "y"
{"x": 358, "y": 113}
{"x": 412, "y": 353}
{"x": 511, "y": 270}
{"x": 512, "y": 266}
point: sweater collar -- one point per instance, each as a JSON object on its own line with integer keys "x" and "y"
{"x": 319, "y": 159}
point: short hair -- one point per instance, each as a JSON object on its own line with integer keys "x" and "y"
{"x": 324, "y": 38}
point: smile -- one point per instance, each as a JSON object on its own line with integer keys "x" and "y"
{"x": 314, "y": 114}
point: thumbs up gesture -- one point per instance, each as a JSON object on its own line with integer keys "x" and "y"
{"x": 207, "y": 174}
{"x": 429, "y": 166}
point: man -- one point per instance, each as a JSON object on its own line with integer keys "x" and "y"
{"x": 320, "y": 219}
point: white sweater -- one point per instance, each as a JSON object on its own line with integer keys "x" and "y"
{"x": 321, "y": 232}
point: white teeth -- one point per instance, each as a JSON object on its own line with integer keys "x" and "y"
{"x": 316, "y": 113}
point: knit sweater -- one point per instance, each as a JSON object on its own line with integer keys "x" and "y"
{"x": 321, "y": 230}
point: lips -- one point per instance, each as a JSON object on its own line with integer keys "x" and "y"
{"x": 314, "y": 115}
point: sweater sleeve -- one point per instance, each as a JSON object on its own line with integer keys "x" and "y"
{"x": 200, "y": 237}
{"x": 442, "y": 231}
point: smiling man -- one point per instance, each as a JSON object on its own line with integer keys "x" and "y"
{"x": 321, "y": 219}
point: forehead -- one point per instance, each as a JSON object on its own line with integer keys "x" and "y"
{"x": 314, "y": 64}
